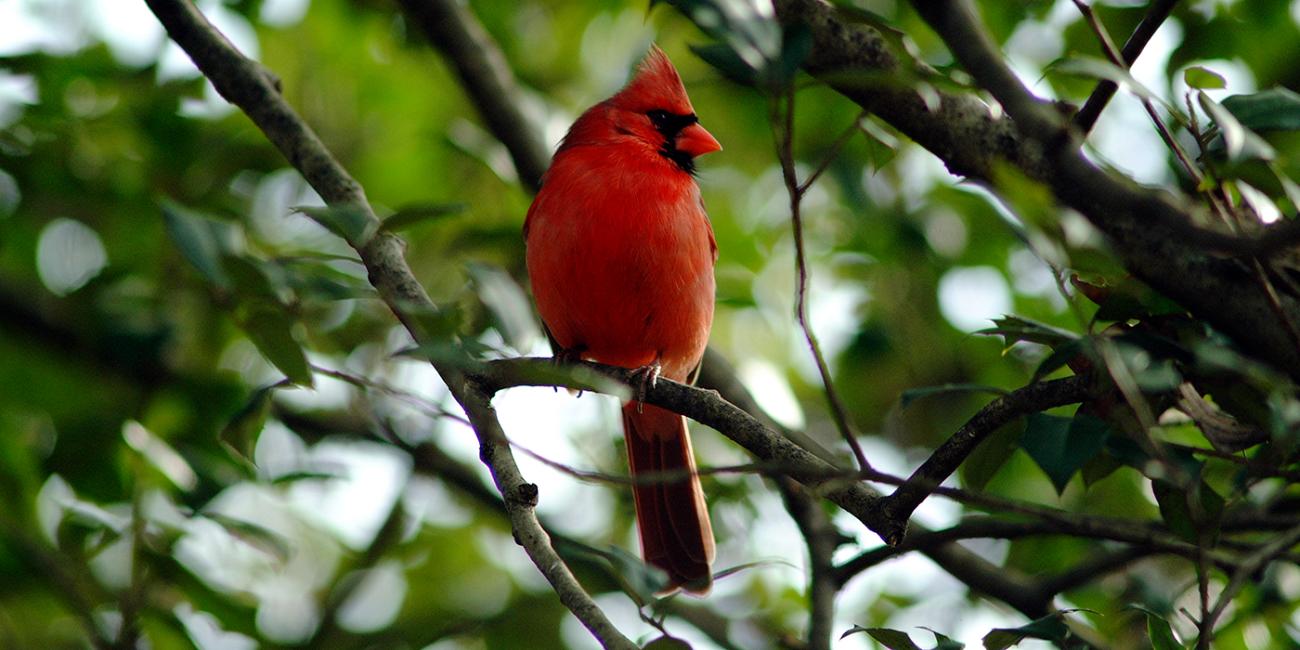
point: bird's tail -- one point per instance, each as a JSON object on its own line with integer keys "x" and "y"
{"x": 673, "y": 519}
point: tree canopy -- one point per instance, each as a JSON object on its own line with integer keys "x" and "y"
{"x": 1005, "y": 352}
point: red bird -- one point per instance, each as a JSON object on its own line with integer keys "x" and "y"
{"x": 621, "y": 255}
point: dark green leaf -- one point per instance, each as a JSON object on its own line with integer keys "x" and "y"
{"x": 254, "y": 535}
{"x": 892, "y": 639}
{"x": 1049, "y": 628}
{"x": 415, "y": 215}
{"x": 198, "y": 239}
{"x": 983, "y": 464}
{"x": 1240, "y": 142}
{"x": 269, "y": 327}
{"x": 294, "y": 477}
{"x": 1131, "y": 299}
{"x": 640, "y": 580}
{"x": 1015, "y": 328}
{"x": 1203, "y": 78}
{"x": 1191, "y": 514}
{"x": 349, "y": 221}
{"x": 943, "y": 642}
{"x": 1063, "y": 354}
{"x": 1101, "y": 466}
{"x": 249, "y": 280}
{"x": 321, "y": 281}
{"x": 1159, "y": 631}
{"x": 912, "y": 394}
{"x": 1084, "y": 66}
{"x": 667, "y": 643}
{"x": 1275, "y": 109}
{"x": 239, "y": 436}
{"x": 1060, "y": 446}
{"x": 464, "y": 355}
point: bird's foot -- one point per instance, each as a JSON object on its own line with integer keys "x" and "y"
{"x": 564, "y": 357}
{"x": 643, "y": 379}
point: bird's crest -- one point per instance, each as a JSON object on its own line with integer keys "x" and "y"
{"x": 656, "y": 85}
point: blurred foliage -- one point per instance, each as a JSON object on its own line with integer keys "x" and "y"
{"x": 207, "y": 432}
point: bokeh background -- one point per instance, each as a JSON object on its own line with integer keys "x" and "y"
{"x": 153, "y": 463}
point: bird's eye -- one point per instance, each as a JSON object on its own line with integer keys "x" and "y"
{"x": 659, "y": 118}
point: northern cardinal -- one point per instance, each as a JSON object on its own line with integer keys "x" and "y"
{"x": 621, "y": 255}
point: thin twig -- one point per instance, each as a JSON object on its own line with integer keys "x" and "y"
{"x": 365, "y": 383}
{"x": 821, "y": 539}
{"x": 897, "y": 508}
{"x": 1246, "y": 570}
{"x": 784, "y": 136}
{"x": 1119, "y": 59}
{"x": 1157, "y": 12}
{"x": 839, "y": 143}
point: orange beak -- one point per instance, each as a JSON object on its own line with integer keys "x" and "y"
{"x": 695, "y": 141}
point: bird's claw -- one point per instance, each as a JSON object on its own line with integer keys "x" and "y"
{"x": 564, "y": 357}
{"x": 644, "y": 379}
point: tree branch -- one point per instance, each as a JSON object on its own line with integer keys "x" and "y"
{"x": 821, "y": 538}
{"x": 1248, "y": 568}
{"x": 483, "y": 72}
{"x": 1152, "y": 233}
{"x": 820, "y": 477}
{"x": 1156, "y": 14}
{"x": 897, "y": 508}
{"x": 249, "y": 86}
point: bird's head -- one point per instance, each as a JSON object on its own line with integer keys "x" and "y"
{"x": 652, "y": 109}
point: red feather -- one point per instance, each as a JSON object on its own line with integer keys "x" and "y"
{"x": 621, "y": 255}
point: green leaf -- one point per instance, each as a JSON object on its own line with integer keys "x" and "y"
{"x": 751, "y": 48}
{"x": 254, "y": 535}
{"x": 1131, "y": 298}
{"x": 912, "y": 394}
{"x": 314, "y": 279}
{"x": 269, "y": 327}
{"x": 305, "y": 475}
{"x": 667, "y": 643}
{"x": 1275, "y": 109}
{"x": 1015, "y": 328}
{"x": 1159, "y": 631}
{"x": 249, "y": 280}
{"x": 1161, "y": 634}
{"x": 347, "y": 220}
{"x": 414, "y": 215}
{"x": 639, "y": 580}
{"x": 239, "y": 436}
{"x": 1240, "y": 142}
{"x": 198, "y": 239}
{"x": 1063, "y": 354}
{"x": 892, "y": 639}
{"x": 983, "y": 464}
{"x": 1191, "y": 514}
{"x": 1060, "y": 446}
{"x": 1049, "y": 628}
{"x": 1096, "y": 68}
{"x": 942, "y": 642}
{"x": 1203, "y": 78}
{"x": 1098, "y": 468}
